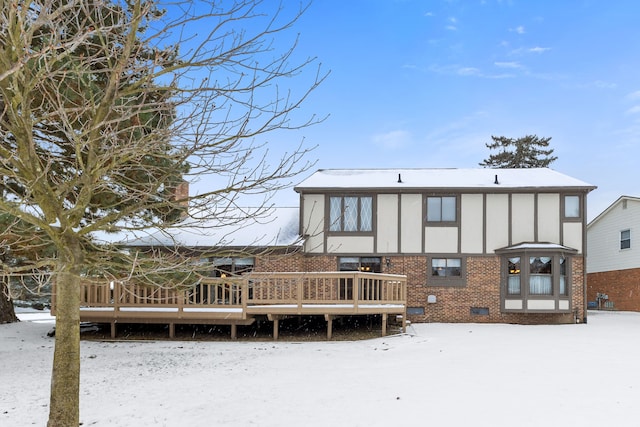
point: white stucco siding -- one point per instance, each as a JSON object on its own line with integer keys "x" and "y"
{"x": 549, "y": 218}
{"x": 497, "y": 221}
{"x": 387, "y": 223}
{"x": 350, "y": 244}
{"x": 411, "y": 223}
{"x": 572, "y": 235}
{"x": 603, "y": 239}
{"x": 522, "y": 218}
{"x": 471, "y": 223}
{"x": 313, "y": 223}
{"x": 441, "y": 240}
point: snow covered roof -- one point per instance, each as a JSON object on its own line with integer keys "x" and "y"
{"x": 275, "y": 227}
{"x": 403, "y": 179}
{"x": 537, "y": 246}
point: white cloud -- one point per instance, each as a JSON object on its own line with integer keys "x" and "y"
{"x": 634, "y": 110}
{"x": 452, "y": 24}
{"x": 539, "y": 49}
{"x": 469, "y": 71}
{"x": 393, "y": 139}
{"x": 634, "y": 95}
{"x": 466, "y": 72}
{"x": 519, "y": 29}
{"x": 512, "y": 65}
{"x": 605, "y": 85}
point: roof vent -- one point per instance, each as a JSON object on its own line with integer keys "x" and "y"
{"x": 399, "y": 179}
{"x": 496, "y": 180}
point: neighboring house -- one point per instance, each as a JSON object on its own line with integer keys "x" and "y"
{"x": 613, "y": 271}
{"x": 476, "y": 245}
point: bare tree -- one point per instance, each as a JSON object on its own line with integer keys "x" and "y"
{"x": 106, "y": 106}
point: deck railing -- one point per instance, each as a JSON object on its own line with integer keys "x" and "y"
{"x": 252, "y": 289}
{"x": 326, "y": 288}
{"x": 238, "y": 300}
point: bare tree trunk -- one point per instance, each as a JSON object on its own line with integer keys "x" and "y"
{"x": 64, "y": 409}
{"x": 7, "y": 313}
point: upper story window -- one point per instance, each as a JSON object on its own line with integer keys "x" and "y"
{"x": 351, "y": 213}
{"x": 441, "y": 209}
{"x": 625, "y": 239}
{"x": 572, "y": 207}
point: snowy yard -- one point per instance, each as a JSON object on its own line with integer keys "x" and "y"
{"x": 436, "y": 374}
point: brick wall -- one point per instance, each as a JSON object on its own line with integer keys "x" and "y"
{"x": 622, "y": 286}
{"x": 453, "y": 304}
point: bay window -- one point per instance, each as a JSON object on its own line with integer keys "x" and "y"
{"x": 513, "y": 277}
{"x": 536, "y": 277}
{"x": 540, "y": 275}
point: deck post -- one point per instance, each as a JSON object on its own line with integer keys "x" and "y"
{"x": 234, "y": 331}
{"x": 329, "y": 319}
{"x": 172, "y": 330}
{"x": 275, "y": 328}
{"x": 384, "y": 324}
{"x": 113, "y": 329}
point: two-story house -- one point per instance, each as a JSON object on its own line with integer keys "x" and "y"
{"x": 613, "y": 271}
{"x": 434, "y": 245}
{"x": 477, "y": 245}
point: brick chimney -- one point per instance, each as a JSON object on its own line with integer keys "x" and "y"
{"x": 181, "y": 194}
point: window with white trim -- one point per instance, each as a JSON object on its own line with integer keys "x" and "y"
{"x": 625, "y": 239}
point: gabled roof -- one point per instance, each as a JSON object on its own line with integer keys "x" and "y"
{"x": 611, "y": 207}
{"x": 274, "y": 227}
{"x": 421, "y": 179}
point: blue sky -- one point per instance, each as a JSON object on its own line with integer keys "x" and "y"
{"x": 426, "y": 83}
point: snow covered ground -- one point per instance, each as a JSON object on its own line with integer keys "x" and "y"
{"x": 436, "y": 374}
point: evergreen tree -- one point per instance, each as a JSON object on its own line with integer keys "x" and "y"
{"x": 105, "y": 107}
{"x": 527, "y": 152}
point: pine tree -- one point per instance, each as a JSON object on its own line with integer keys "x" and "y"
{"x": 106, "y": 106}
{"x": 527, "y": 152}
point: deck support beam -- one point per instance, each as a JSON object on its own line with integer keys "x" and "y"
{"x": 329, "y": 318}
{"x": 172, "y": 330}
{"x": 234, "y": 331}
{"x": 385, "y": 317}
{"x": 113, "y": 329}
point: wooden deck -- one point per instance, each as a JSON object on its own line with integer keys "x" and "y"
{"x": 239, "y": 300}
